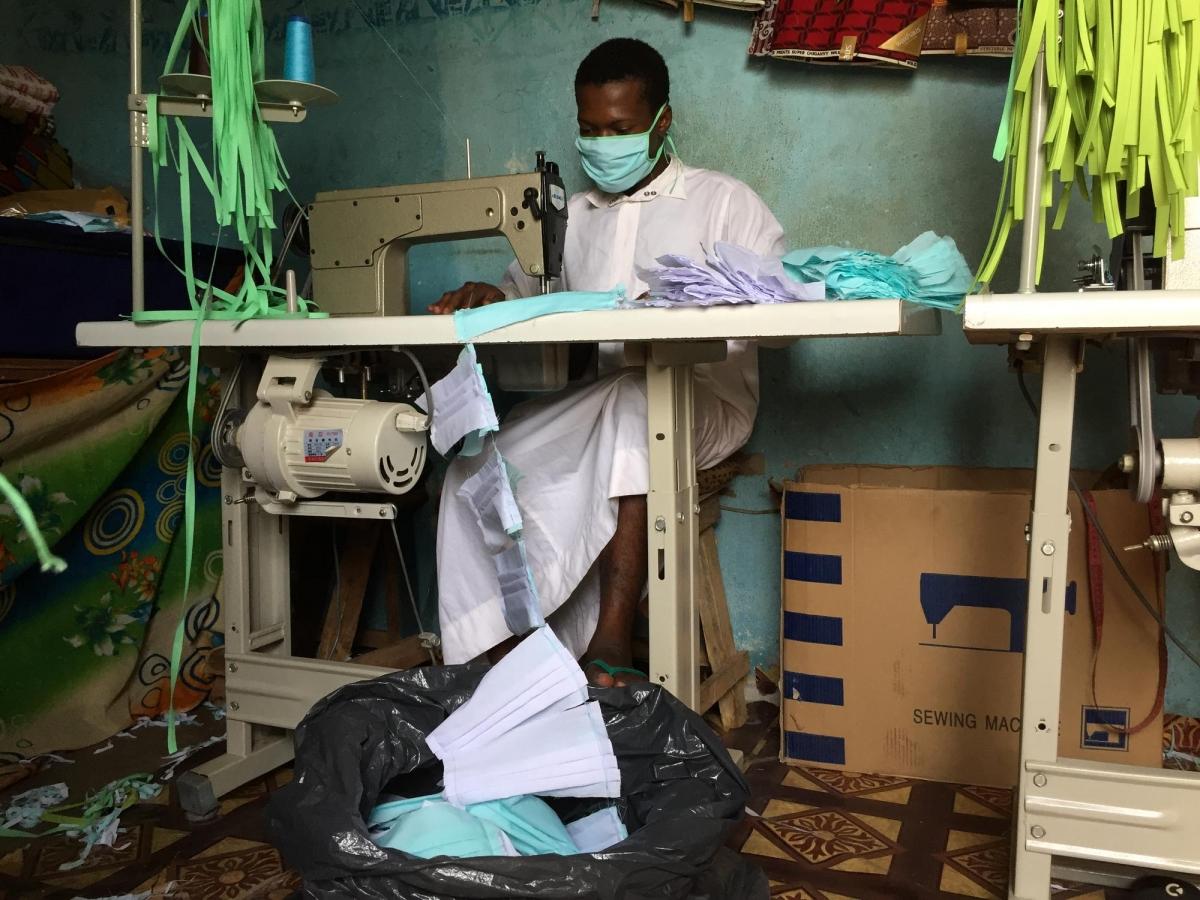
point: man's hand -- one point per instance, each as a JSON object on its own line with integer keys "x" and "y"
{"x": 470, "y": 295}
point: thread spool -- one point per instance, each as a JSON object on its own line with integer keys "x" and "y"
{"x": 298, "y": 51}
{"x": 198, "y": 55}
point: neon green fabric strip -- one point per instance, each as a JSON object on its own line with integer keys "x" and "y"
{"x": 1123, "y": 89}
{"x": 245, "y": 170}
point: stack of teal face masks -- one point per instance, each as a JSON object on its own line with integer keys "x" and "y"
{"x": 517, "y": 826}
{"x": 430, "y": 826}
{"x": 930, "y": 271}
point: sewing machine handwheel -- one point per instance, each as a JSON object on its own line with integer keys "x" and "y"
{"x": 1164, "y": 887}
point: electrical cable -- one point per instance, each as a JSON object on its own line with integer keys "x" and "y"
{"x": 424, "y": 380}
{"x": 1108, "y": 547}
{"x": 412, "y": 597}
{"x": 400, "y": 59}
{"x": 281, "y": 262}
{"x": 337, "y": 589}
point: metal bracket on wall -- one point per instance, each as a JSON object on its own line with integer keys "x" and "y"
{"x": 139, "y": 130}
{"x": 201, "y": 108}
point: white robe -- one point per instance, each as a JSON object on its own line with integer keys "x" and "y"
{"x": 580, "y": 450}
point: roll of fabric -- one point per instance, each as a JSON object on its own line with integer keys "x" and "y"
{"x": 23, "y": 90}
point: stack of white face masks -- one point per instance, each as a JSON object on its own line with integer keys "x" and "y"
{"x": 462, "y": 407}
{"x": 528, "y": 729}
{"x": 463, "y": 411}
{"x": 490, "y": 494}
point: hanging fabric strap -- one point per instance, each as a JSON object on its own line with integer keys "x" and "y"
{"x": 1095, "y": 568}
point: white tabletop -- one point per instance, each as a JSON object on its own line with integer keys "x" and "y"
{"x": 763, "y": 322}
{"x": 1001, "y": 317}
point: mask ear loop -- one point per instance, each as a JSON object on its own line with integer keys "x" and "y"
{"x": 669, "y": 141}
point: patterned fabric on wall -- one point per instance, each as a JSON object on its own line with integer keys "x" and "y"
{"x": 966, "y": 30}
{"x": 870, "y": 32}
{"x": 100, "y": 453}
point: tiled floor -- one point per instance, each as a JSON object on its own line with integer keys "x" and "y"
{"x": 226, "y": 859}
{"x": 819, "y": 835}
{"x": 828, "y": 835}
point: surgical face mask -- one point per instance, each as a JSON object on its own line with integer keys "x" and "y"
{"x": 619, "y": 162}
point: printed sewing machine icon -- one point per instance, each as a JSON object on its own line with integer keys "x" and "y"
{"x": 942, "y": 594}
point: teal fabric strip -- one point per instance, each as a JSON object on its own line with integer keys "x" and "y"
{"x": 470, "y": 323}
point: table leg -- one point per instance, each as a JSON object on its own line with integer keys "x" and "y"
{"x": 257, "y": 590}
{"x": 1049, "y": 535}
{"x": 672, "y": 508}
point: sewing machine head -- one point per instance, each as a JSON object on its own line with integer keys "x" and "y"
{"x": 360, "y": 238}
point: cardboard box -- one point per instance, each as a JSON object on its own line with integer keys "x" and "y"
{"x": 904, "y": 626}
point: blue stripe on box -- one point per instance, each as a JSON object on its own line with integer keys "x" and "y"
{"x": 810, "y": 506}
{"x": 812, "y": 629}
{"x": 819, "y": 568}
{"x": 818, "y": 748}
{"x": 813, "y": 688}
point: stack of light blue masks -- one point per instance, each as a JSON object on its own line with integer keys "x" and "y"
{"x": 490, "y": 494}
{"x": 599, "y": 831}
{"x": 729, "y": 275}
{"x": 930, "y": 270}
{"x": 528, "y": 729}
{"x": 470, "y": 323}
{"x": 462, "y": 407}
{"x": 431, "y": 826}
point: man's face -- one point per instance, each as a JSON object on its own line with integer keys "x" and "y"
{"x": 619, "y": 107}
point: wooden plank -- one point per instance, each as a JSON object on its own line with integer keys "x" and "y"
{"x": 710, "y": 512}
{"x": 14, "y": 370}
{"x": 354, "y": 569}
{"x": 718, "y": 632}
{"x": 407, "y": 653}
{"x": 726, "y": 683}
{"x": 392, "y": 589}
{"x": 373, "y": 639}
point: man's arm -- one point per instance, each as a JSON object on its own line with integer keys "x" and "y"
{"x": 514, "y": 285}
{"x": 754, "y": 226}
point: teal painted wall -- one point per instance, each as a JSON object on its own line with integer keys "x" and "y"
{"x": 861, "y": 157}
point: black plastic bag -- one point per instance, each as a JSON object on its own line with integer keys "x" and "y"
{"x": 681, "y": 795}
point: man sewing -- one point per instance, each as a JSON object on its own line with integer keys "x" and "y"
{"x": 582, "y": 454}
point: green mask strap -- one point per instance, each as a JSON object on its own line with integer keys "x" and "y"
{"x": 49, "y": 562}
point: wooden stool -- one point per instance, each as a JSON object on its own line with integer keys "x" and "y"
{"x": 728, "y": 667}
{"x": 342, "y": 632}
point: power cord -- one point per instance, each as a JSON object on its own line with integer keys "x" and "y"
{"x": 337, "y": 589}
{"x": 1108, "y": 547}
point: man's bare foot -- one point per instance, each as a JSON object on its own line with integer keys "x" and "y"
{"x": 615, "y": 655}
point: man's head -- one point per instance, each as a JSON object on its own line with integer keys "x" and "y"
{"x": 619, "y": 89}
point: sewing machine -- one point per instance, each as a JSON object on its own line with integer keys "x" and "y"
{"x": 359, "y": 239}
{"x": 359, "y": 242}
{"x": 1099, "y": 824}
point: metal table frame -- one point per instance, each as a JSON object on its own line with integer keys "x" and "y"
{"x": 269, "y": 691}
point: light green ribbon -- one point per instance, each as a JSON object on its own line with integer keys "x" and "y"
{"x": 245, "y": 172}
{"x": 1123, "y": 82}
